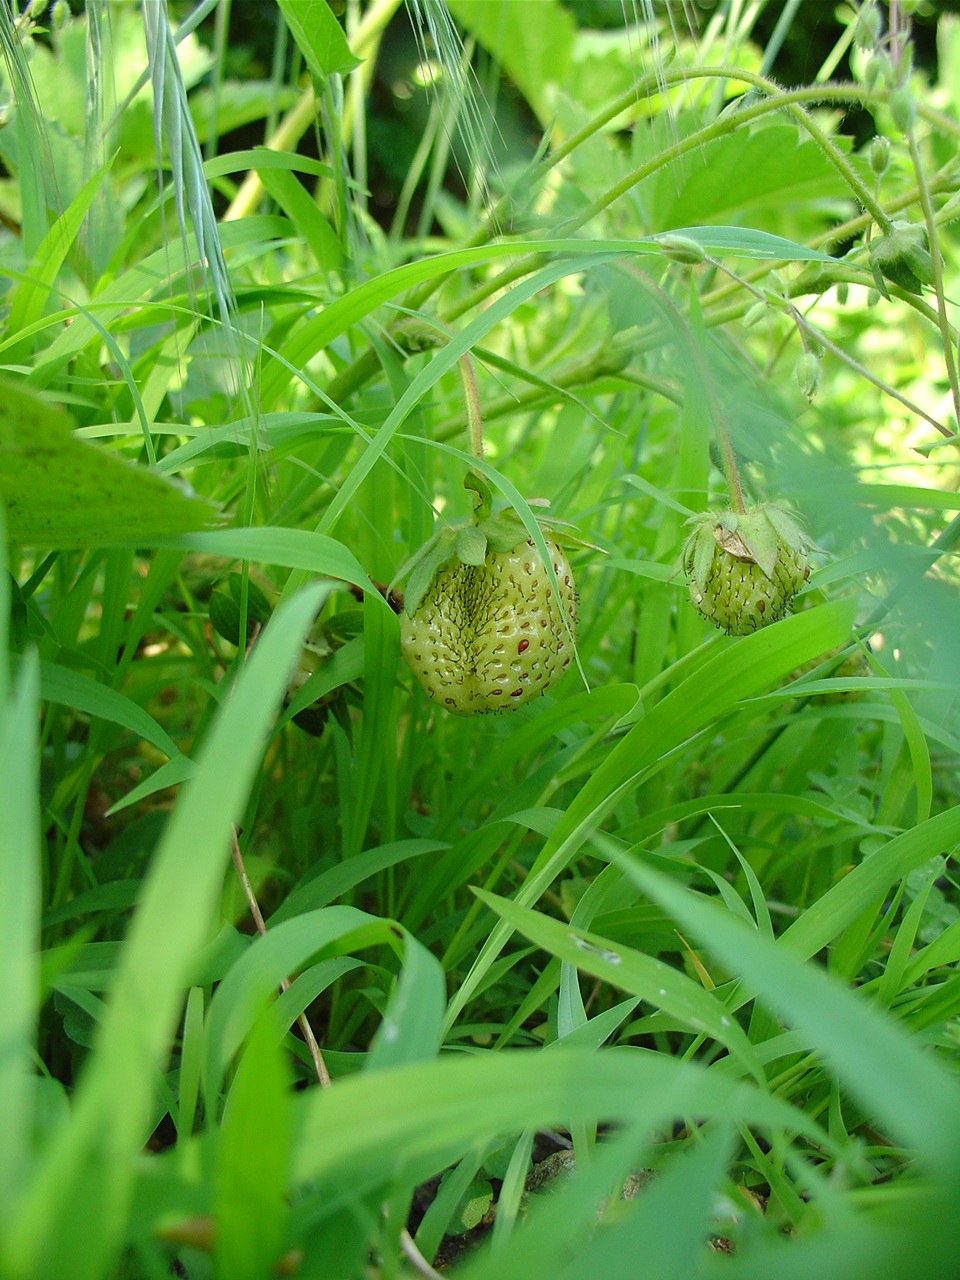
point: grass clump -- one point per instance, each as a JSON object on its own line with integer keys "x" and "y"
{"x": 304, "y": 974}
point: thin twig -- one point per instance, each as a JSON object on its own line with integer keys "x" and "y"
{"x": 416, "y": 1258}
{"x": 805, "y": 327}
{"x": 323, "y": 1075}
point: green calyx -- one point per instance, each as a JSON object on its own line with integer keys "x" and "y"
{"x": 744, "y": 569}
{"x": 471, "y": 541}
{"x": 902, "y": 256}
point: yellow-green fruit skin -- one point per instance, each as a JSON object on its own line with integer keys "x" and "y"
{"x": 490, "y": 637}
{"x": 739, "y": 598}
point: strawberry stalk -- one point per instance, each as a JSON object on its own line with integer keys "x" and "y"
{"x": 730, "y": 467}
{"x": 472, "y": 399}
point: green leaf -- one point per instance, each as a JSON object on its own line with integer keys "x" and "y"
{"x": 666, "y": 1224}
{"x": 437, "y": 554}
{"x": 258, "y": 606}
{"x": 412, "y": 1025}
{"x": 338, "y": 880}
{"x": 263, "y": 159}
{"x": 176, "y": 770}
{"x": 879, "y": 1063}
{"x": 82, "y": 1186}
{"x": 376, "y": 750}
{"x": 844, "y": 901}
{"x": 704, "y": 549}
{"x": 292, "y": 548}
{"x": 422, "y": 1117}
{"x": 301, "y": 208}
{"x": 253, "y": 1154}
{"x": 749, "y": 243}
{"x": 20, "y": 895}
{"x": 414, "y": 1031}
{"x": 746, "y": 175}
{"x": 32, "y": 295}
{"x": 61, "y": 493}
{"x": 72, "y": 689}
{"x": 570, "y": 1217}
{"x": 319, "y": 37}
{"x": 225, "y": 618}
{"x": 736, "y": 672}
{"x": 655, "y": 982}
{"x": 760, "y": 539}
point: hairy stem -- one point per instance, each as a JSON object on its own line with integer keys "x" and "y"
{"x": 472, "y": 398}
{"x": 943, "y": 320}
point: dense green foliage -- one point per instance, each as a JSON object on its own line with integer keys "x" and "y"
{"x": 691, "y": 916}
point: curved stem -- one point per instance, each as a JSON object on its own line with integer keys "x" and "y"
{"x": 943, "y": 180}
{"x": 694, "y": 142}
{"x": 356, "y": 374}
{"x": 430, "y": 333}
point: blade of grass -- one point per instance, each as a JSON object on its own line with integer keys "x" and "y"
{"x": 655, "y": 982}
{"x": 82, "y": 1187}
{"x": 735, "y": 672}
{"x": 878, "y": 1063}
{"x": 421, "y": 1118}
{"x": 20, "y": 895}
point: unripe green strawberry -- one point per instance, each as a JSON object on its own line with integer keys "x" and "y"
{"x": 483, "y": 628}
{"x": 744, "y": 569}
{"x": 492, "y": 636}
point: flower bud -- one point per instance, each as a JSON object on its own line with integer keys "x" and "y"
{"x": 903, "y": 108}
{"x": 869, "y": 27}
{"x": 754, "y": 314}
{"x": 807, "y": 373}
{"x": 880, "y": 155}
{"x": 902, "y": 255}
{"x": 878, "y": 70}
{"x": 682, "y": 249}
{"x": 412, "y": 335}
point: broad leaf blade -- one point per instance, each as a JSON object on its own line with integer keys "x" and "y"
{"x": 63, "y": 494}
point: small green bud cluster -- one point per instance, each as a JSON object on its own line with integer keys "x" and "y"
{"x": 414, "y": 335}
{"x": 880, "y": 155}
{"x": 903, "y": 109}
{"x": 754, "y": 314}
{"x": 878, "y": 71}
{"x": 682, "y": 249}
